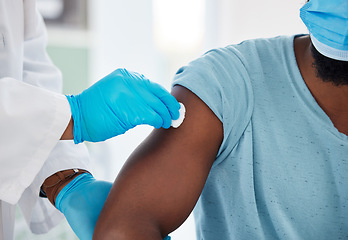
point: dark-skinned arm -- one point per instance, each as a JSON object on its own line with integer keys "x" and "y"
{"x": 68, "y": 133}
{"x": 162, "y": 180}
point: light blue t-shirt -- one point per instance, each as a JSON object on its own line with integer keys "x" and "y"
{"x": 282, "y": 169}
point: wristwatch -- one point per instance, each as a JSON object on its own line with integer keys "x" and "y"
{"x": 49, "y": 189}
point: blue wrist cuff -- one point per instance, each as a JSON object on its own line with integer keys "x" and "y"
{"x": 74, "y": 106}
{"x": 167, "y": 238}
{"x": 70, "y": 187}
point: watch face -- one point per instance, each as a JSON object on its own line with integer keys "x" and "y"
{"x": 42, "y": 193}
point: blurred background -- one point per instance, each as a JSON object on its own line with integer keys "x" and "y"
{"x": 88, "y": 39}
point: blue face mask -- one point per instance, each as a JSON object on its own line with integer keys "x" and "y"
{"x": 327, "y": 22}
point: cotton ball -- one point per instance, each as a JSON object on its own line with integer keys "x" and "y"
{"x": 177, "y": 123}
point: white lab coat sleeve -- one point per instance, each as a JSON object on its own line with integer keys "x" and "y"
{"x": 38, "y": 70}
{"x": 39, "y": 212}
{"x": 32, "y": 121}
{"x": 7, "y": 220}
{"x": 32, "y": 115}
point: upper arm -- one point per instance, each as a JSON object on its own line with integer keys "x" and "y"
{"x": 162, "y": 180}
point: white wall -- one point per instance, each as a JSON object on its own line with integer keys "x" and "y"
{"x": 232, "y": 21}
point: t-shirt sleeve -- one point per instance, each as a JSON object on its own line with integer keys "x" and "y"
{"x": 220, "y": 79}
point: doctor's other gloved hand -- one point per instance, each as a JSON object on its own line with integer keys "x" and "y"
{"x": 81, "y": 202}
{"x": 119, "y": 102}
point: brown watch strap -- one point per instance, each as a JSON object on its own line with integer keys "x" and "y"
{"x": 58, "y": 180}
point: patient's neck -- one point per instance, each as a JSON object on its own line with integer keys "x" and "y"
{"x": 331, "y": 98}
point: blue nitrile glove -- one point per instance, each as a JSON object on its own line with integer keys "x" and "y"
{"x": 81, "y": 202}
{"x": 119, "y": 102}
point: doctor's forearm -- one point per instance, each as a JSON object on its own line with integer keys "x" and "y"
{"x": 68, "y": 133}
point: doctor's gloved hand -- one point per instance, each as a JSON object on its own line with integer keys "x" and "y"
{"x": 81, "y": 202}
{"x": 119, "y": 102}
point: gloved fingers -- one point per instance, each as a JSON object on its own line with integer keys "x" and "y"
{"x": 150, "y": 117}
{"x": 149, "y": 109}
{"x": 161, "y": 93}
{"x": 163, "y": 112}
{"x": 169, "y": 101}
{"x": 152, "y": 106}
{"x": 123, "y": 73}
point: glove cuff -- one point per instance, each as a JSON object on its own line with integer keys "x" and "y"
{"x": 65, "y": 193}
{"x": 75, "y": 112}
{"x": 53, "y": 183}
